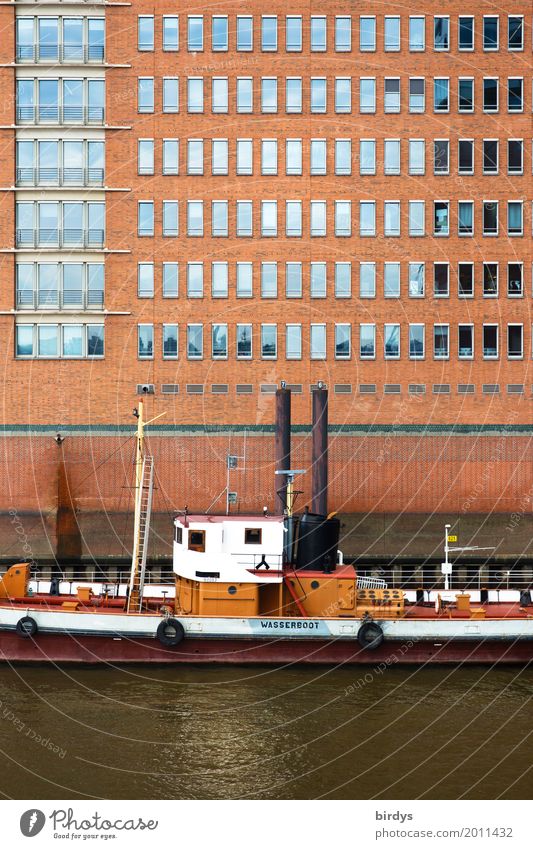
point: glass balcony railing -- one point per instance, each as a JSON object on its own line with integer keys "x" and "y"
{"x": 61, "y": 53}
{"x": 59, "y": 176}
{"x": 60, "y": 114}
{"x": 53, "y": 237}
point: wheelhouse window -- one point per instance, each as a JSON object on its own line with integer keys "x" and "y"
{"x": 253, "y": 536}
{"x": 196, "y": 541}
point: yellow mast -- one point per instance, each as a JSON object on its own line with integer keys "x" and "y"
{"x": 134, "y": 589}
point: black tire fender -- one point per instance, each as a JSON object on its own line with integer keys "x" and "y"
{"x": 27, "y": 627}
{"x": 370, "y": 635}
{"x": 170, "y": 632}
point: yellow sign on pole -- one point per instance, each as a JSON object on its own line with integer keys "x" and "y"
{"x": 452, "y": 538}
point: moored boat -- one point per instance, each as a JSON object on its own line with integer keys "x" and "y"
{"x": 259, "y": 589}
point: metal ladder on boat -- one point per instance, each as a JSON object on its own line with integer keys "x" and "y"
{"x": 141, "y": 536}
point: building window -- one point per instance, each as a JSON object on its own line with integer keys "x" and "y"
{"x": 145, "y": 280}
{"x": 466, "y": 95}
{"x": 343, "y": 279}
{"x": 219, "y": 341}
{"x": 441, "y": 94}
{"x": 392, "y": 94}
{"x": 145, "y": 220}
{"x": 465, "y": 210}
{"x": 417, "y": 94}
{"x": 195, "y": 94}
{"x": 244, "y": 94}
{"x": 195, "y": 279}
{"x": 269, "y": 218}
{"x": 441, "y": 281}
{"x": 145, "y": 156}
{"x": 219, "y": 156}
{"x": 145, "y": 94}
{"x": 367, "y": 218}
{"x": 170, "y": 94}
{"x": 293, "y": 341}
{"x": 466, "y": 32}
{"x": 269, "y": 94}
{"x": 293, "y": 156}
{"x": 195, "y": 341}
{"x": 170, "y": 279}
{"x": 515, "y": 156}
{"x": 514, "y": 280}
{"x": 318, "y": 341}
{"x": 515, "y": 341}
{"x": 490, "y": 94}
{"x": 145, "y": 348}
{"x": 244, "y": 218}
{"x": 219, "y": 32}
{"x": 367, "y": 34}
{"x": 343, "y": 218}
{"x": 367, "y": 341}
{"x": 466, "y": 279}
{"x": 219, "y": 279}
{"x": 269, "y": 33}
{"x": 490, "y": 341}
{"x": 195, "y": 156}
{"x": 293, "y": 33}
{"x": 391, "y": 338}
{"x": 170, "y": 218}
{"x": 244, "y": 341}
{"x": 515, "y": 32}
{"x": 318, "y": 217}
{"x": 195, "y": 33}
{"x": 490, "y": 279}
{"x": 318, "y": 94}
{"x": 367, "y": 94}
{"x": 490, "y": 218}
{"x": 145, "y": 32}
{"x": 417, "y": 156}
{"x": 417, "y": 34}
{"x": 391, "y": 279}
{"x": 367, "y": 156}
{"x": 343, "y": 345}
{"x": 318, "y": 34}
{"x": 269, "y": 280}
{"x": 170, "y": 341}
{"x": 392, "y": 218}
{"x": 318, "y": 280}
{"x": 244, "y": 281}
{"x": 293, "y": 279}
{"x": 441, "y": 32}
{"x": 367, "y": 280}
{"x": 441, "y": 341}
{"x": 269, "y": 341}
{"x": 219, "y": 95}
{"x": 343, "y": 157}
{"x": 490, "y": 32}
{"x": 244, "y": 156}
{"x": 244, "y": 32}
{"x": 417, "y": 212}
{"x": 490, "y": 156}
{"x": 441, "y": 218}
{"x": 219, "y": 218}
{"x": 343, "y": 34}
{"x": 441, "y": 156}
{"x": 293, "y": 95}
{"x": 170, "y": 156}
{"x": 343, "y": 95}
{"x": 392, "y": 33}
{"x": 465, "y": 341}
{"x": 466, "y": 156}
{"x": 195, "y": 218}
{"x": 170, "y": 33}
{"x": 391, "y": 156}
{"x": 416, "y": 341}
{"x": 50, "y": 341}
{"x": 515, "y": 94}
{"x": 514, "y": 218}
{"x": 416, "y": 279}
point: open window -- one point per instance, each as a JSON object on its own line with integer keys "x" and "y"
{"x": 253, "y": 536}
{"x": 197, "y": 541}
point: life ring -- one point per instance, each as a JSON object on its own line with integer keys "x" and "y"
{"x": 370, "y": 635}
{"x": 27, "y": 627}
{"x": 170, "y": 632}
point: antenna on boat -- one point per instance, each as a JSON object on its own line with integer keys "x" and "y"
{"x": 290, "y": 475}
{"x": 446, "y": 567}
{"x": 144, "y": 482}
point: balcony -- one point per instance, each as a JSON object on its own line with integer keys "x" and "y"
{"x": 62, "y": 54}
{"x": 59, "y": 238}
{"x": 28, "y": 299}
{"x": 59, "y": 176}
{"x": 82, "y": 115}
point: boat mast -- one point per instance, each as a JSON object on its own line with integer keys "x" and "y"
{"x": 143, "y": 507}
